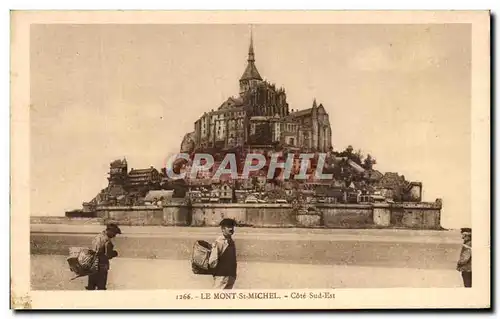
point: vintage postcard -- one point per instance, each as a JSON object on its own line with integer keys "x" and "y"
{"x": 250, "y": 160}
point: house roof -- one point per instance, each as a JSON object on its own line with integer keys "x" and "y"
{"x": 308, "y": 112}
{"x": 142, "y": 171}
{"x": 231, "y": 102}
{"x": 302, "y": 112}
{"x": 356, "y": 166}
{"x": 373, "y": 175}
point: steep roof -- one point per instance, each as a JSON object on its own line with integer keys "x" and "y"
{"x": 373, "y": 175}
{"x": 302, "y": 112}
{"x": 231, "y": 103}
{"x": 356, "y": 166}
{"x": 251, "y": 72}
{"x": 309, "y": 111}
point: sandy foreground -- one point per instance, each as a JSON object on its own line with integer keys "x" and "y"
{"x": 390, "y": 235}
{"x": 363, "y": 248}
{"x": 158, "y": 258}
{"x": 50, "y": 272}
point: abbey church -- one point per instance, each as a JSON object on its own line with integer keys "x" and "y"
{"x": 259, "y": 120}
{"x": 260, "y": 117}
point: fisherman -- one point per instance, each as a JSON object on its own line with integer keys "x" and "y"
{"x": 104, "y": 249}
{"x": 465, "y": 260}
{"x": 222, "y": 259}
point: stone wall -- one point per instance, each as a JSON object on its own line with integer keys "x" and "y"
{"x": 271, "y": 215}
{"x": 408, "y": 215}
{"x": 212, "y": 214}
{"x": 378, "y": 215}
{"x": 132, "y": 215}
{"x": 259, "y": 215}
{"x": 382, "y": 215}
{"x": 421, "y": 215}
{"x": 346, "y": 216}
{"x": 176, "y": 215}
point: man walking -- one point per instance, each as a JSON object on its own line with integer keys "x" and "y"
{"x": 223, "y": 256}
{"x": 465, "y": 260}
{"x": 104, "y": 249}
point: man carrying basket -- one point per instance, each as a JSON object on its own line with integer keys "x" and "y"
{"x": 104, "y": 250}
{"x": 222, "y": 261}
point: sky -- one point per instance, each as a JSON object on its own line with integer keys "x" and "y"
{"x": 102, "y": 92}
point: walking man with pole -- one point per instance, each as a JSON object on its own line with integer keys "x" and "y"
{"x": 104, "y": 250}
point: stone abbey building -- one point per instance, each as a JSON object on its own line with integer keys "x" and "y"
{"x": 259, "y": 120}
{"x": 260, "y": 117}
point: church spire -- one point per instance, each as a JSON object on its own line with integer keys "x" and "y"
{"x": 251, "y": 54}
{"x": 251, "y": 72}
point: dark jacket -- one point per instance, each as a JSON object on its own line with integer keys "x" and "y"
{"x": 223, "y": 257}
{"x": 104, "y": 249}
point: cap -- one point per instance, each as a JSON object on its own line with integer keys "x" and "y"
{"x": 229, "y": 222}
{"x": 114, "y": 227}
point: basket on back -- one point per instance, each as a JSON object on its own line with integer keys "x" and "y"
{"x": 82, "y": 261}
{"x": 200, "y": 258}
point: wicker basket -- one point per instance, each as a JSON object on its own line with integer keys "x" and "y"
{"x": 82, "y": 261}
{"x": 200, "y": 257}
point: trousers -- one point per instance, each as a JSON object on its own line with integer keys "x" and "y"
{"x": 467, "y": 278}
{"x": 98, "y": 281}
{"x": 224, "y": 282}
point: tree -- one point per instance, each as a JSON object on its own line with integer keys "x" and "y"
{"x": 357, "y": 157}
{"x": 349, "y": 150}
{"x": 369, "y": 162}
{"x": 345, "y": 153}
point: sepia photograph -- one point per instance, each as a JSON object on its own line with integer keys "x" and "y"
{"x": 250, "y": 159}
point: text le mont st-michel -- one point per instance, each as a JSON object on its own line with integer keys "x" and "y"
{"x": 257, "y": 295}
